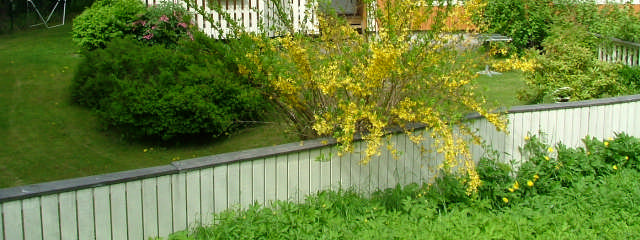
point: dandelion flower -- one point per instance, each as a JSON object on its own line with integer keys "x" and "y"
{"x": 505, "y": 200}
{"x": 546, "y": 158}
{"x": 145, "y": 150}
{"x": 511, "y": 189}
{"x": 550, "y": 149}
{"x": 530, "y": 183}
{"x": 536, "y": 177}
{"x": 516, "y": 185}
{"x": 606, "y": 144}
{"x": 626, "y": 157}
{"x": 615, "y": 167}
{"x": 526, "y": 138}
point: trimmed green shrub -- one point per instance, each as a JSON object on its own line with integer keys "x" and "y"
{"x": 630, "y": 77}
{"x": 105, "y": 20}
{"x": 569, "y": 69}
{"x": 151, "y": 92}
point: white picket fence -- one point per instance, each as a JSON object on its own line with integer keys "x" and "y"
{"x": 157, "y": 201}
{"x": 620, "y": 51}
{"x": 250, "y": 15}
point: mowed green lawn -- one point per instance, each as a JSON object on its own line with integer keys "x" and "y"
{"x": 501, "y": 90}
{"x": 43, "y": 137}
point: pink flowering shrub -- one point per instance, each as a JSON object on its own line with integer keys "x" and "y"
{"x": 166, "y": 23}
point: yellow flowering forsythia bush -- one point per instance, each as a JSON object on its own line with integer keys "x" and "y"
{"x": 342, "y": 84}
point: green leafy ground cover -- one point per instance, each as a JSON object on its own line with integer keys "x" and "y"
{"x": 559, "y": 193}
{"x": 43, "y": 137}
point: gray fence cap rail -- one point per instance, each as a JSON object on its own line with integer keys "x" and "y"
{"x": 39, "y": 189}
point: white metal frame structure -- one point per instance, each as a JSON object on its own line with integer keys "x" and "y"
{"x": 45, "y": 22}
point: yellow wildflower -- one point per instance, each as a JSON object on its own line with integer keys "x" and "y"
{"x": 530, "y": 183}
{"x": 550, "y": 149}
{"x": 606, "y": 144}
{"x": 516, "y": 185}
{"x": 615, "y": 167}
{"x": 145, "y": 150}
{"x": 546, "y": 158}
{"x": 526, "y": 138}
{"x": 511, "y": 189}
{"x": 505, "y": 200}
{"x": 626, "y": 157}
{"x": 536, "y": 177}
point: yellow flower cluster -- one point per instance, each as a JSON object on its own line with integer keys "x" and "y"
{"x": 516, "y": 63}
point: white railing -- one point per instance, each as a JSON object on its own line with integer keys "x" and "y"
{"x": 250, "y": 15}
{"x": 620, "y": 51}
{"x": 157, "y": 201}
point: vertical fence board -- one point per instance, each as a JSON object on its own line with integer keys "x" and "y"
{"x": 476, "y": 149}
{"x": 601, "y": 123}
{"x": 345, "y": 169}
{"x": 233, "y": 184}
{"x": 281, "y": 177}
{"x": 102, "y": 212}
{"x": 325, "y": 168}
{"x": 68, "y": 215}
{"x": 246, "y": 183}
{"x": 414, "y": 155}
{"x": 12, "y": 214}
{"x": 206, "y": 196}
{"x": 407, "y": 158}
{"x": 609, "y": 123}
{"x": 356, "y": 168}
{"x": 220, "y": 188}
{"x": 293, "y": 177}
{"x": 570, "y": 121}
{"x": 516, "y": 135}
{"x": 335, "y": 181}
{"x": 86, "y": 214}
{"x": 149, "y": 208}
{"x": 193, "y": 196}
{"x": 32, "y": 219}
{"x": 392, "y": 164}
{"x": 134, "y": 209}
{"x": 258, "y": 181}
{"x": 304, "y": 174}
{"x": 633, "y": 118}
{"x": 626, "y": 113}
{"x": 374, "y": 171}
{"x": 270, "y": 190}
{"x": 594, "y": 128}
{"x": 50, "y": 217}
{"x": 118, "y": 211}
{"x": 164, "y": 197}
{"x": 315, "y": 177}
{"x": 179, "y": 200}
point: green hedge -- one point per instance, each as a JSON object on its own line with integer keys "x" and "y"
{"x": 151, "y": 92}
